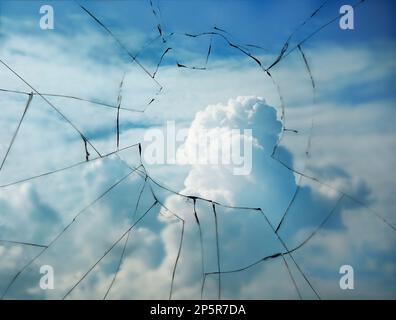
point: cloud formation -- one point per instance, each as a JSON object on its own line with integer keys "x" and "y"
{"x": 37, "y": 211}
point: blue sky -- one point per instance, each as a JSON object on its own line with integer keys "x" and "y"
{"x": 351, "y": 148}
{"x": 269, "y": 23}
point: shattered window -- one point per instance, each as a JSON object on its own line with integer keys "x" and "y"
{"x": 197, "y": 150}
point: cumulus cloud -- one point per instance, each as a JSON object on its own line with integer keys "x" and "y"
{"x": 270, "y": 186}
{"x": 209, "y": 181}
